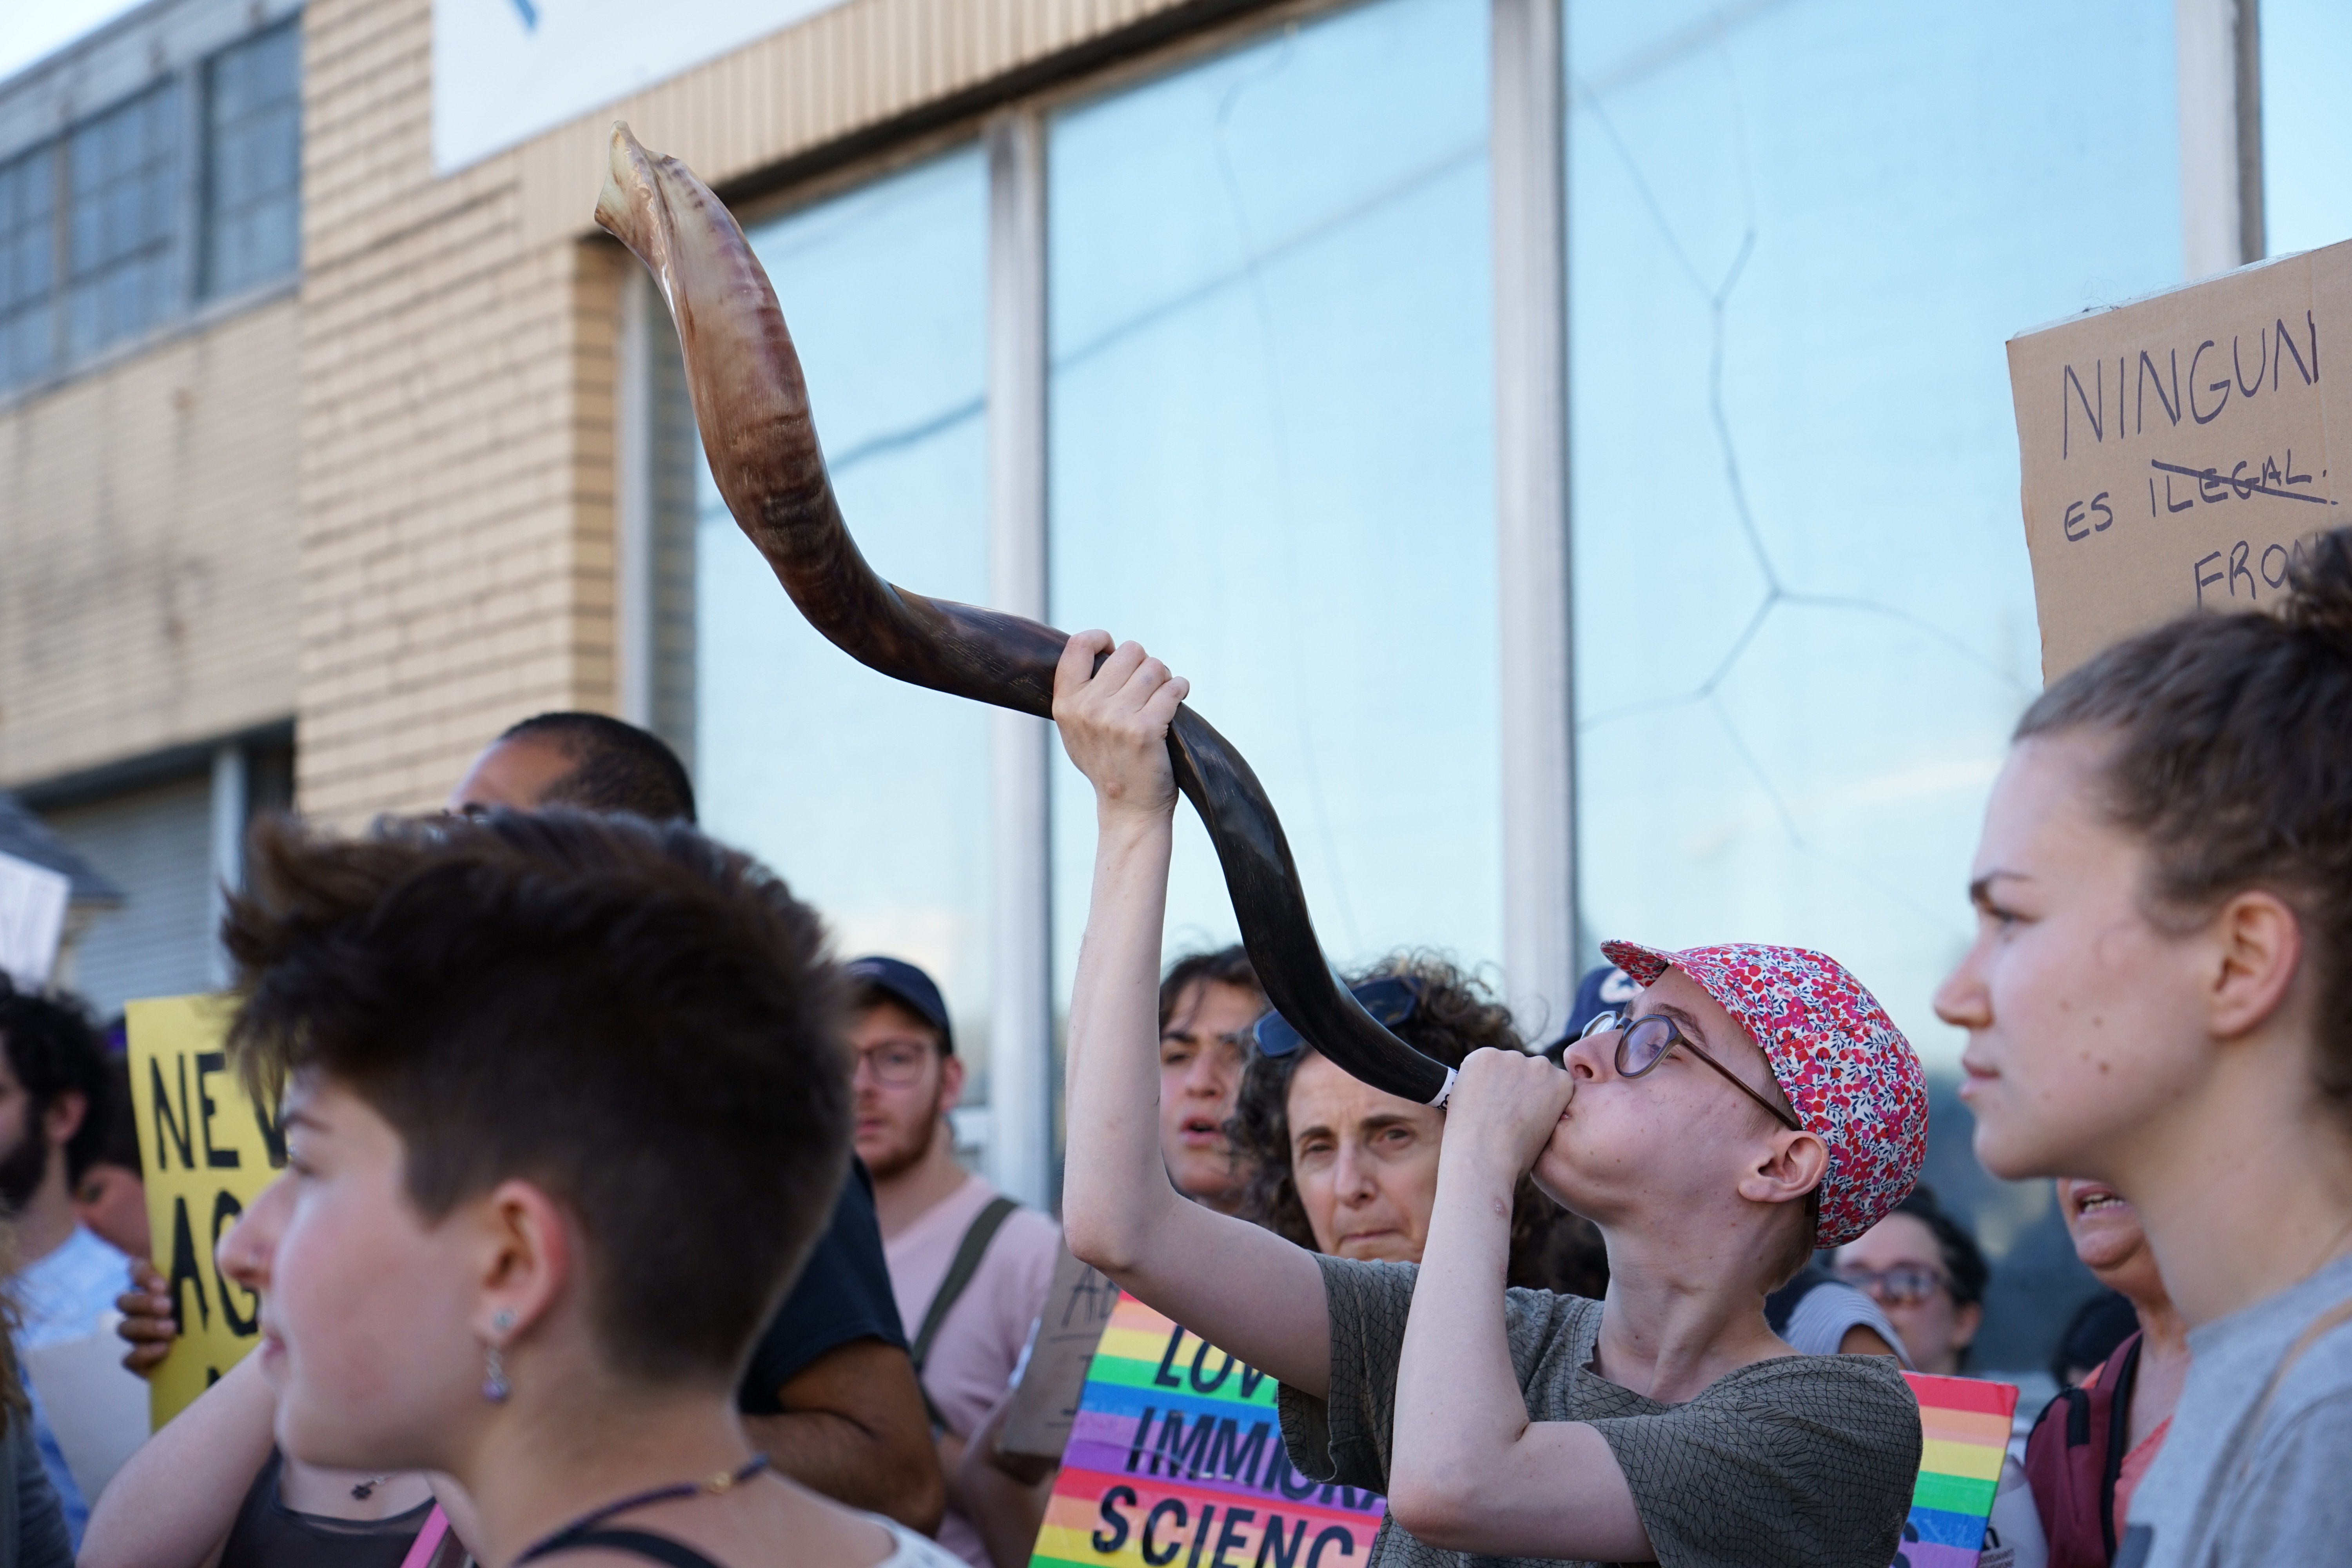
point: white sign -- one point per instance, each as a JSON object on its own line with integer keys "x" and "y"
{"x": 505, "y": 71}
{"x": 32, "y": 920}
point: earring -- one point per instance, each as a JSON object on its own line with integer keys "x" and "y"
{"x": 495, "y": 1388}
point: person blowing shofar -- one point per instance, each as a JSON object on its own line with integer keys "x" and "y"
{"x": 1753, "y": 1103}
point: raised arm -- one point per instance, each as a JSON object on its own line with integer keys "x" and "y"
{"x": 1471, "y": 1472}
{"x": 1245, "y": 1289}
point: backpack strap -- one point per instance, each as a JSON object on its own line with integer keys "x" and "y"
{"x": 635, "y": 1542}
{"x": 2121, "y": 1376}
{"x": 966, "y": 1263}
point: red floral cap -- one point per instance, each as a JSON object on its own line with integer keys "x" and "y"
{"x": 1847, "y": 1071}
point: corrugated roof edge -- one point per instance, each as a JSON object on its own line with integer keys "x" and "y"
{"x": 28, "y": 837}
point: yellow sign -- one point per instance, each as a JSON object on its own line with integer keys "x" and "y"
{"x": 208, "y": 1151}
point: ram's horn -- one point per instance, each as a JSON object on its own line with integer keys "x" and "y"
{"x": 752, "y": 404}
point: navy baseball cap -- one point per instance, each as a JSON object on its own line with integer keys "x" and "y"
{"x": 909, "y": 986}
{"x": 1607, "y": 989}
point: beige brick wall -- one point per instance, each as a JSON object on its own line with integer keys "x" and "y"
{"x": 457, "y": 343}
{"x": 147, "y": 528}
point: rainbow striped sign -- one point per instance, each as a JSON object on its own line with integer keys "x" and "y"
{"x": 1966, "y": 1425}
{"x": 1176, "y": 1453}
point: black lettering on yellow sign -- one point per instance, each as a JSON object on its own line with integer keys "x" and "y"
{"x": 213, "y": 1149}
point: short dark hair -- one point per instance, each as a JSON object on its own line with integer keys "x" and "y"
{"x": 637, "y": 1019}
{"x": 1551, "y": 1250}
{"x": 1224, "y": 966}
{"x": 54, "y": 1048}
{"x": 2232, "y": 760}
{"x": 120, "y": 1146}
{"x": 615, "y": 767}
{"x": 1966, "y": 1272}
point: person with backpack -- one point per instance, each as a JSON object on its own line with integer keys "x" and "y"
{"x": 2095, "y": 1441}
{"x": 971, "y": 1269}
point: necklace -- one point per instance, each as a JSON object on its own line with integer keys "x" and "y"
{"x": 711, "y": 1486}
{"x": 366, "y": 1489}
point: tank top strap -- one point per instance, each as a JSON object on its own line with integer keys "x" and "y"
{"x": 635, "y": 1542}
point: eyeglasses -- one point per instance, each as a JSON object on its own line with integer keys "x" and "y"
{"x": 897, "y": 1063}
{"x": 1390, "y": 1000}
{"x": 1905, "y": 1285}
{"x": 1642, "y": 1043}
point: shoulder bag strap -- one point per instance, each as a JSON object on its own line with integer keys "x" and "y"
{"x": 965, "y": 1264}
{"x": 960, "y": 1272}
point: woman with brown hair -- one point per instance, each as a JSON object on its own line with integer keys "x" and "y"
{"x": 1343, "y": 1169}
{"x": 2159, "y": 999}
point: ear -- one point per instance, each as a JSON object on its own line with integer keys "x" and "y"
{"x": 1966, "y": 1321}
{"x": 951, "y": 1083}
{"x": 1793, "y": 1164}
{"x": 528, "y": 1259}
{"x": 2258, "y": 948}
{"x": 63, "y": 1119}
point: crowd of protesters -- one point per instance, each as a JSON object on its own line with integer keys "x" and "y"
{"x": 621, "y": 1221}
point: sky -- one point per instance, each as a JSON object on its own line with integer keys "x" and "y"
{"x": 32, "y": 28}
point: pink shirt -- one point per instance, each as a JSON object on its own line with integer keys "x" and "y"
{"x": 972, "y": 1361}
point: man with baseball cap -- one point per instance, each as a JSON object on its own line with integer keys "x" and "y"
{"x": 970, "y": 1268}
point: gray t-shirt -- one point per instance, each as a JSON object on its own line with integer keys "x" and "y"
{"x": 2230, "y": 1488}
{"x": 1801, "y": 1460}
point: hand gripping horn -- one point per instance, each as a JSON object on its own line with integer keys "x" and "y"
{"x": 752, "y": 404}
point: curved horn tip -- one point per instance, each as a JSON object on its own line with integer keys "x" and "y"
{"x": 629, "y": 169}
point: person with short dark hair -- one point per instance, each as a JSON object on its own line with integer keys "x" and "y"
{"x": 971, "y": 1268}
{"x": 110, "y": 1198}
{"x": 1927, "y": 1274}
{"x": 591, "y": 761}
{"x": 2159, "y": 999}
{"x": 1207, "y": 1003}
{"x": 829, "y": 1393}
{"x": 830, "y": 1388}
{"x": 536, "y": 1071}
{"x": 56, "y": 1102}
{"x": 1346, "y": 1170}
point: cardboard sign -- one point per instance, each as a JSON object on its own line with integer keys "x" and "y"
{"x": 32, "y": 920}
{"x": 1965, "y": 1425}
{"x": 2177, "y": 450}
{"x": 1045, "y": 1405}
{"x": 208, "y": 1151}
{"x": 1176, "y": 1454}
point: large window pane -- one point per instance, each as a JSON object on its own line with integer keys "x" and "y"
{"x": 868, "y": 794}
{"x": 122, "y": 197}
{"x": 2306, "y": 123}
{"x": 1272, "y": 456}
{"x": 27, "y": 252}
{"x": 1800, "y": 235}
{"x": 253, "y": 161}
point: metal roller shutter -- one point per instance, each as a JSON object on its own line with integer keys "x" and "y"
{"x": 155, "y": 844}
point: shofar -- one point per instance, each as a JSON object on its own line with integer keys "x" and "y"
{"x": 752, "y": 404}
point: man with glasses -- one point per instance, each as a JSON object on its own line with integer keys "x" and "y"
{"x": 970, "y": 1268}
{"x": 1755, "y": 1102}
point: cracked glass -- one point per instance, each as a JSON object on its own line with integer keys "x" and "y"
{"x": 1801, "y": 234}
{"x": 1271, "y": 456}
{"x": 870, "y": 796}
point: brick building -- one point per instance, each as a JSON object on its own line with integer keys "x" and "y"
{"x": 1567, "y": 444}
